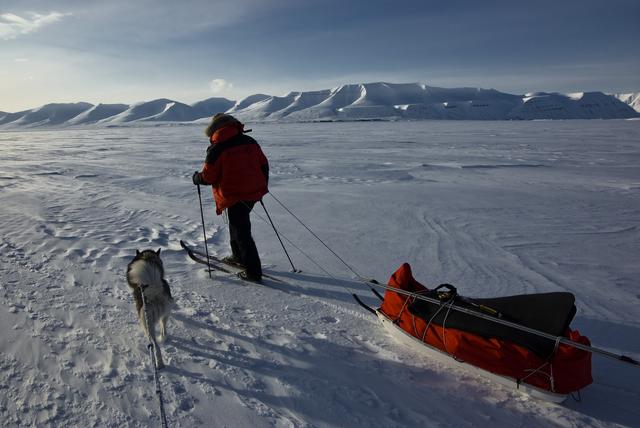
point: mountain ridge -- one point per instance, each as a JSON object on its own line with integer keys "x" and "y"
{"x": 350, "y": 102}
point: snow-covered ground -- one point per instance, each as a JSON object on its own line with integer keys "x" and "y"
{"x": 496, "y": 208}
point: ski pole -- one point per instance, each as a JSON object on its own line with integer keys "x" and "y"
{"x": 204, "y": 232}
{"x": 278, "y": 235}
{"x": 151, "y": 346}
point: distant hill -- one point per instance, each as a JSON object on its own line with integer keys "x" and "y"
{"x": 632, "y": 99}
{"x": 211, "y": 106}
{"x": 418, "y": 101}
{"x": 156, "y": 110}
{"x": 47, "y": 115}
{"x": 97, "y": 113}
{"x": 364, "y": 101}
{"x": 85, "y": 114}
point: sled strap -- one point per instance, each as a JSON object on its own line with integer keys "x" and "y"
{"x": 442, "y": 305}
{"x": 548, "y": 362}
{"x": 449, "y": 305}
{"x": 539, "y": 370}
{"x": 404, "y": 305}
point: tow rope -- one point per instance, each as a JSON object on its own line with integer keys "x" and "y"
{"x": 152, "y": 347}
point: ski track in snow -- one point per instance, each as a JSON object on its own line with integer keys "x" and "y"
{"x": 494, "y": 208}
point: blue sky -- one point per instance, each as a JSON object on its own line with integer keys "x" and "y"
{"x": 134, "y": 50}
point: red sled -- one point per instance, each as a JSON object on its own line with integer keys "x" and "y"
{"x": 535, "y": 365}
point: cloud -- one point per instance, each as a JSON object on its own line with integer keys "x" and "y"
{"x": 12, "y": 26}
{"x": 219, "y": 86}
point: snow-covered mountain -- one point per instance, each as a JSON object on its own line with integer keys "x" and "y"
{"x": 582, "y": 105}
{"x": 211, "y": 106}
{"x": 11, "y": 117}
{"x": 157, "y": 110}
{"x": 418, "y": 101}
{"x": 49, "y": 114}
{"x": 246, "y": 102}
{"x": 632, "y": 99}
{"x": 160, "y": 110}
{"x": 98, "y": 113}
{"x": 364, "y": 101}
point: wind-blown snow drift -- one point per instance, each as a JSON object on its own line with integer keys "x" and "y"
{"x": 365, "y": 101}
{"x": 495, "y": 208}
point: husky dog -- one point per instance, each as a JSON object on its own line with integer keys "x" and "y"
{"x": 145, "y": 274}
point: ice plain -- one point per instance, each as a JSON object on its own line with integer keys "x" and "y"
{"x": 496, "y": 208}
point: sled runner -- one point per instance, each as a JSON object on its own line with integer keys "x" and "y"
{"x": 537, "y": 366}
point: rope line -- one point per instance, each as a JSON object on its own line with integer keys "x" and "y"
{"x": 152, "y": 347}
{"x": 315, "y": 236}
{"x": 299, "y": 249}
{"x": 278, "y": 236}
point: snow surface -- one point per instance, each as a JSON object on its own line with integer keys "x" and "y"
{"x": 496, "y": 208}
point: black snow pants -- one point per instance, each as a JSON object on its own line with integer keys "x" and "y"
{"x": 242, "y": 245}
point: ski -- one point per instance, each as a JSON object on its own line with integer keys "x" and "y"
{"x": 195, "y": 257}
{"x": 201, "y": 257}
{"x": 213, "y": 258}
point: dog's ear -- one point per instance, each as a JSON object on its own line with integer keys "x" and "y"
{"x": 137, "y": 253}
{"x": 158, "y": 252}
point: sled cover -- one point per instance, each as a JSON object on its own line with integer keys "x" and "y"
{"x": 493, "y": 347}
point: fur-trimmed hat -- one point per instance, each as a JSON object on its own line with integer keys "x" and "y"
{"x": 218, "y": 121}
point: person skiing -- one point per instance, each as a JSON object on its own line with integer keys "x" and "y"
{"x": 238, "y": 170}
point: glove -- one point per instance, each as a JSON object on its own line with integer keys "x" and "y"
{"x": 197, "y": 178}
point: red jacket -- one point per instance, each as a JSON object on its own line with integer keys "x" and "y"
{"x": 236, "y": 168}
